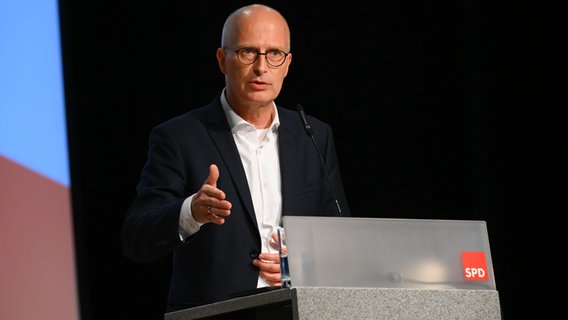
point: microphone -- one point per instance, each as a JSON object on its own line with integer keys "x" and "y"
{"x": 310, "y": 133}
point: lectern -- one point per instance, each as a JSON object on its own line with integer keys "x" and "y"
{"x": 374, "y": 268}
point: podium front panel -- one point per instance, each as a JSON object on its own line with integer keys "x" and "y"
{"x": 388, "y": 253}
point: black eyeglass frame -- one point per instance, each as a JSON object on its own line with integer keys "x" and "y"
{"x": 258, "y": 53}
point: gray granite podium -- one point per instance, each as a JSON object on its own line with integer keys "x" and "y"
{"x": 371, "y": 268}
{"x": 352, "y": 303}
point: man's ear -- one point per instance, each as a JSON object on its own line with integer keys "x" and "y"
{"x": 221, "y": 54}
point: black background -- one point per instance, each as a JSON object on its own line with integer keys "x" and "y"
{"x": 441, "y": 109}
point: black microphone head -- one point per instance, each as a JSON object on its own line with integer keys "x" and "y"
{"x": 305, "y": 122}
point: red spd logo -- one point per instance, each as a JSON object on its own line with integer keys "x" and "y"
{"x": 474, "y": 266}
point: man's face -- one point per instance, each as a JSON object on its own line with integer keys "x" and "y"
{"x": 256, "y": 84}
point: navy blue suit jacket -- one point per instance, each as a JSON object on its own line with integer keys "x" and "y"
{"x": 216, "y": 261}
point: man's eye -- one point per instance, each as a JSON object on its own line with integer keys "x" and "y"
{"x": 275, "y": 53}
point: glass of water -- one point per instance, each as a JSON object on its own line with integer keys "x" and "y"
{"x": 277, "y": 241}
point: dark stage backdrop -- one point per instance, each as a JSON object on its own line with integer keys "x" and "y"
{"x": 441, "y": 109}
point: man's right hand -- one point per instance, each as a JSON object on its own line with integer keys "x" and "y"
{"x": 209, "y": 204}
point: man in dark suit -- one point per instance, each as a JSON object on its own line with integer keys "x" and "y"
{"x": 219, "y": 178}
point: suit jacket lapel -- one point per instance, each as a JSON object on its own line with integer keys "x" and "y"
{"x": 223, "y": 139}
{"x": 287, "y": 147}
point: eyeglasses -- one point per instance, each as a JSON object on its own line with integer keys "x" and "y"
{"x": 274, "y": 57}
